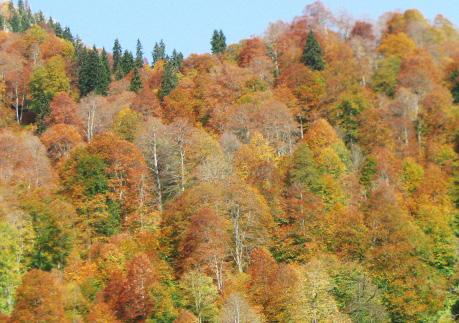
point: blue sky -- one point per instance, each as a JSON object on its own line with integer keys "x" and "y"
{"x": 188, "y": 24}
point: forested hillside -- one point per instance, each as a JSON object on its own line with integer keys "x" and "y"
{"x": 310, "y": 174}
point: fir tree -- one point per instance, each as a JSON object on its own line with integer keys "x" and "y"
{"x": 218, "y": 42}
{"x": 136, "y": 81}
{"x": 159, "y": 52}
{"x": 104, "y": 77}
{"x": 169, "y": 80}
{"x": 117, "y": 53}
{"x": 176, "y": 59}
{"x": 139, "y": 55}
{"x": 58, "y": 30}
{"x": 127, "y": 63}
{"x": 89, "y": 71}
{"x": 67, "y": 34}
{"x": 15, "y": 20}
{"x": 312, "y": 54}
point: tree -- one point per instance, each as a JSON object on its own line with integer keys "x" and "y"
{"x": 218, "y": 42}
{"x": 136, "y": 81}
{"x": 39, "y": 298}
{"x": 60, "y": 139}
{"x": 169, "y": 80}
{"x": 104, "y": 77}
{"x": 312, "y": 53}
{"x": 205, "y": 244}
{"x": 159, "y": 52}
{"x": 126, "y": 124}
{"x": 237, "y": 309}
{"x": 200, "y": 295}
{"x": 63, "y": 111}
{"x": 45, "y": 82}
{"x": 135, "y": 302}
{"x": 138, "y": 55}
{"x": 90, "y": 73}
{"x": 117, "y": 53}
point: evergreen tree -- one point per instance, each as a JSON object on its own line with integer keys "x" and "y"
{"x": 104, "y": 77}
{"x": 2, "y": 22}
{"x": 89, "y": 71}
{"x": 58, "y": 29}
{"x": 67, "y": 34}
{"x": 15, "y": 19}
{"x": 312, "y": 53}
{"x": 176, "y": 59}
{"x": 169, "y": 80}
{"x": 117, "y": 53}
{"x": 159, "y": 52}
{"x": 127, "y": 63}
{"x": 136, "y": 81}
{"x": 218, "y": 42}
{"x": 139, "y": 55}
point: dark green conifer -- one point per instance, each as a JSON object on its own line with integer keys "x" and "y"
{"x": 117, "y": 53}
{"x": 169, "y": 80}
{"x": 218, "y": 42}
{"x": 139, "y": 55}
{"x": 104, "y": 77}
{"x": 159, "y": 52}
{"x": 136, "y": 81}
{"x": 312, "y": 54}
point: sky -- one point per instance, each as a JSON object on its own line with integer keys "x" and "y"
{"x": 187, "y": 25}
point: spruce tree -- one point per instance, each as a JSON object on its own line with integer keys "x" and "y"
{"x": 169, "y": 80}
{"x": 67, "y": 34}
{"x": 218, "y": 42}
{"x": 117, "y": 53}
{"x": 159, "y": 52}
{"x": 127, "y": 63}
{"x": 89, "y": 71}
{"x": 312, "y": 54}
{"x": 139, "y": 55}
{"x": 136, "y": 81}
{"x": 176, "y": 59}
{"x": 104, "y": 77}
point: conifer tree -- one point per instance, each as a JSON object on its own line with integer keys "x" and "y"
{"x": 159, "y": 52}
{"x": 218, "y": 42}
{"x": 127, "y": 63}
{"x": 312, "y": 53}
{"x": 89, "y": 71}
{"x": 67, "y": 34}
{"x": 169, "y": 80}
{"x": 139, "y": 55}
{"x": 136, "y": 81}
{"x": 117, "y": 53}
{"x": 176, "y": 59}
{"x": 104, "y": 77}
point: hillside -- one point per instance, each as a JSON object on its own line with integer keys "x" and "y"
{"x": 310, "y": 174}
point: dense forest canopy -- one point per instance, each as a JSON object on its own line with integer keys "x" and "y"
{"x": 309, "y": 174}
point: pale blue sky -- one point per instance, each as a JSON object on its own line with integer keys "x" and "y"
{"x": 188, "y": 24}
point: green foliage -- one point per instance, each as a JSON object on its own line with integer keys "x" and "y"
{"x": 159, "y": 52}
{"x": 51, "y": 224}
{"x": 454, "y": 78}
{"x": 117, "y": 54}
{"x": 136, "y": 81}
{"x": 138, "y": 55}
{"x": 104, "y": 77}
{"x": 169, "y": 80}
{"x": 218, "y": 42}
{"x": 45, "y": 82}
{"x": 385, "y": 78}
{"x": 312, "y": 53}
{"x": 11, "y": 267}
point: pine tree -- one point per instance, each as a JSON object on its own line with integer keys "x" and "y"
{"x": 136, "y": 81}
{"x": 159, "y": 52}
{"x": 169, "y": 80}
{"x": 139, "y": 55}
{"x": 117, "y": 53}
{"x": 218, "y": 42}
{"x": 312, "y": 53}
{"x": 104, "y": 77}
{"x": 15, "y": 20}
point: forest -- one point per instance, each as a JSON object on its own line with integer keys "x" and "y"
{"x": 308, "y": 174}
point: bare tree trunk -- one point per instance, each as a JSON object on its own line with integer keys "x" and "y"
{"x": 156, "y": 174}
{"x": 238, "y": 243}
